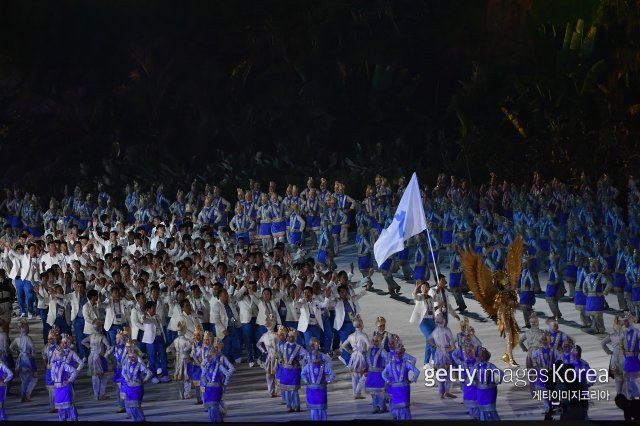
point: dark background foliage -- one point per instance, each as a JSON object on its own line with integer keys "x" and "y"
{"x": 171, "y": 91}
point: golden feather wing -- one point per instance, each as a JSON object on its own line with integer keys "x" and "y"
{"x": 479, "y": 279}
{"x": 513, "y": 263}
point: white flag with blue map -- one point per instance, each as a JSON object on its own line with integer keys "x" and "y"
{"x": 408, "y": 221}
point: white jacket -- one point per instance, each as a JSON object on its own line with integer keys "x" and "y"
{"x": 150, "y": 326}
{"x": 58, "y": 303}
{"x": 339, "y": 307}
{"x": 420, "y": 309}
{"x": 306, "y": 308}
{"x": 21, "y": 266}
{"x": 191, "y": 321}
{"x": 48, "y": 261}
{"x": 136, "y": 319}
{"x": 261, "y": 319}
{"x": 200, "y": 308}
{"x": 90, "y": 314}
{"x": 245, "y": 305}
{"x": 74, "y": 300}
{"x": 219, "y": 317}
{"x": 110, "y": 314}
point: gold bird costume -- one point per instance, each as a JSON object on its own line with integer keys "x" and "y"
{"x": 496, "y": 291}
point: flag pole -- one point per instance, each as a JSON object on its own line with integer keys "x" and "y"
{"x": 433, "y": 258}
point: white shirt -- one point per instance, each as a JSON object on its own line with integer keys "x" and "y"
{"x": 58, "y": 259}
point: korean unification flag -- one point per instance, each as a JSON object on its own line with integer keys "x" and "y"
{"x": 408, "y": 221}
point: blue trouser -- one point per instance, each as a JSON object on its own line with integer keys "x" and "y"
{"x": 62, "y": 323}
{"x": 142, "y": 347}
{"x": 344, "y": 332}
{"x": 172, "y": 335}
{"x": 312, "y": 331}
{"x": 78, "y": 328}
{"x": 111, "y": 334}
{"x": 157, "y": 354}
{"x": 26, "y": 296}
{"x": 249, "y": 338}
{"x": 208, "y": 326}
{"x": 427, "y": 326}
{"x": 45, "y": 326}
{"x": 335, "y": 344}
{"x": 328, "y": 334}
{"x": 232, "y": 344}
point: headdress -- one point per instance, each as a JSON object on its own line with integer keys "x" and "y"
{"x": 270, "y": 323}
{"x": 217, "y": 343}
{"x": 380, "y": 321}
{"x": 182, "y": 327}
{"x": 464, "y": 323}
{"x": 568, "y": 342}
{"x": 24, "y": 323}
{"x": 629, "y": 317}
{"x": 314, "y": 341}
{"x": 357, "y": 321}
{"x": 282, "y": 331}
{"x": 292, "y": 332}
{"x": 124, "y": 333}
{"x": 198, "y": 331}
{"x": 617, "y": 323}
{"x": 208, "y": 335}
{"x": 54, "y": 333}
{"x": 485, "y": 351}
